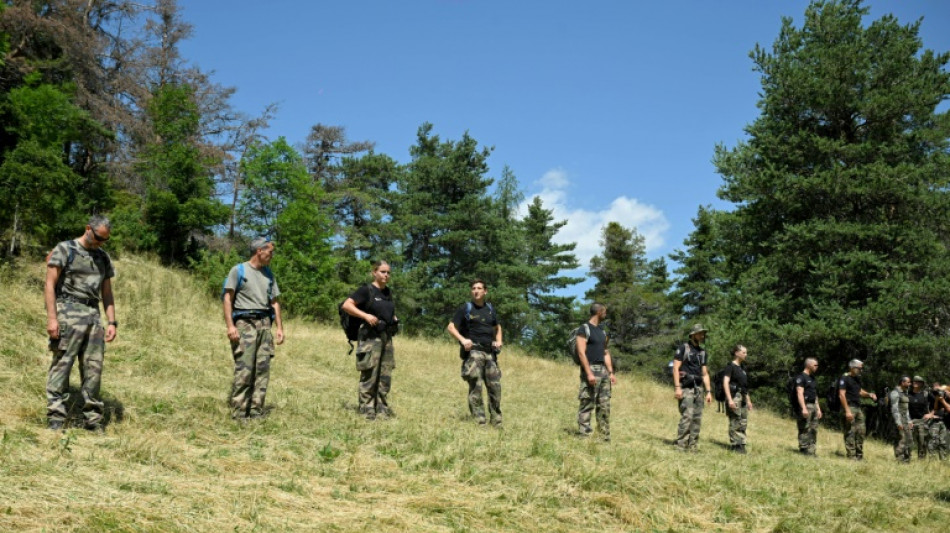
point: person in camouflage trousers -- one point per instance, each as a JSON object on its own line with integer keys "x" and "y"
{"x": 78, "y": 277}
{"x": 850, "y": 393}
{"x": 475, "y": 327}
{"x": 251, "y": 309}
{"x": 900, "y": 403}
{"x": 375, "y": 357}
{"x": 596, "y": 376}
{"x": 938, "y": 429}
{"x": 690, "y": 380}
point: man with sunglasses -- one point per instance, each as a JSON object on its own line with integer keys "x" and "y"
{"x": 78, "y": 277}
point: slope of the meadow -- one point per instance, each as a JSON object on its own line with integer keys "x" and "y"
{"x": 171, "y": 460}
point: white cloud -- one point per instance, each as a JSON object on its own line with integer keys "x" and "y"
{"x": 585, "y": 227}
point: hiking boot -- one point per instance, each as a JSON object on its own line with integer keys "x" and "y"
{"x": 740, "y": 448}
{"x": 55, "y": 425}
{"x": 95, "y": 428}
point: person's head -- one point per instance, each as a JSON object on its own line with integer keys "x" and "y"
{"x": 479, "y": 290}
{"x": 381, "y": 272}
{"x": 599, "y": 310}
{"x": 904, "y": 382}
{"x": 97, "y": 231}
{"x": 936, "y": 386}
{"x": 262, "y": 250}
{"x": 811, "y": 365}
{"x": 739, "y": 352}
{"x": 855, "y": 367}
{"x": 919, "y": 383}
{"x": 697, "y": 334}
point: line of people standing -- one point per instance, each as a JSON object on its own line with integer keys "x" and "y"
{"x": 79, "y": 277}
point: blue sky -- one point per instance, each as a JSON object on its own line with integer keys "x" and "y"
{"x": 609, "y": 110}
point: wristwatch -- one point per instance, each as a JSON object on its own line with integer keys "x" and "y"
{"x": 114, "y": 323}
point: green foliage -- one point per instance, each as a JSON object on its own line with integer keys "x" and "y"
{"x": 641, "y": 318}
{"x": 837, "y": 246}
{"x": 41, "y": 193}
{"x": 281, "y": 200}
{"x": 179, "y": 205}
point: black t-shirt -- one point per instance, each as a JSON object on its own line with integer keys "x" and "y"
{"x": 693, "y": 360}
{"x": 596, "y": 343}
{"x": 807, "y": 383}
{"x": 852, "y": 389}
{"x": 920, "y": 404}
{"x": 376, "y": 302}
{"x": 480, "y": 324}
{"x": 940, "y": 410}
{"x": 738, "y": 380}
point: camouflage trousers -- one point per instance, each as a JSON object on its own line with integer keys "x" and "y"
{"x": 738, "y": 420}
{"x": 375, "y": 360}
{"x": 480, "y": 369}
{"x": 594, "y": 397}
{"x": 905, "y": 441}
{"x": 81, "y": 336}
{"x": 808, "y": 430}
{"x": 854, "y": 433}
{"x": 252, "y": 354}
{"x": 920, "y": 438}
{"x": 691, "y": 418}
{"x": 938, "y": 440}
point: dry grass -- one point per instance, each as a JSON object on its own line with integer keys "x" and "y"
{"x": 173, "y": 461}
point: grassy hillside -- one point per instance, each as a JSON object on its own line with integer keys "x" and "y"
{"x": 171, "y": 459}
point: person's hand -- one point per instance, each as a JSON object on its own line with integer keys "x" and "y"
{"x": 613, "y": 379}
{"x": 233, "y": 334}
{"x": 708, "y": 397}
{"x": 805, "y": 413}
{"x": 873, "y": 396}
{"x": 279, "y": 337}
{"x": 52, "y": 328}
{"x": 467, "y": 344}
{"x": 849, "y": 416}
{"x": 818, "y": 412}
{"x": 110, "y": 332}
{"x": 678, "y": 393}
{"x": 591, "y": 379}
{"x": 497, "y": 344}
{"x": 732, "y": 404}
{"x": 372, "y": 320}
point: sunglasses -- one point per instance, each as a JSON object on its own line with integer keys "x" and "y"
{"x": 97, "y": 237}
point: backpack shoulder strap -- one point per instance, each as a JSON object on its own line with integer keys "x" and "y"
{"x": 270, "y": 283}
{"x": 70, "y": 256}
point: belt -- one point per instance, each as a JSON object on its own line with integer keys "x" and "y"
{"x": 256, "y": 315}
{"x": 90, "y": 302}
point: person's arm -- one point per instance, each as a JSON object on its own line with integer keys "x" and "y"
{"x": 843, "y": 400}
{"x": 228, "y": 305}
{"x": 49, "y": 296}
{"x": 351, "y": 309}
{"x": 498, "y": 343}
{"x": 279, "y": 336}
{"x": 726, "y": 380}
{"x": 108, "y": 302}
{"x": 582, "y": 356}
{"x": 677, "y": 388}
{"x": 453, "y": 331}
{"x": 866, "y": 394}
{"x": 609, "y": 363}
{"x": 800, "y": 393}
{"x": 706, "y": 383}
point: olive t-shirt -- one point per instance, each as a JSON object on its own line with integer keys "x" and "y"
{"x": 253, "y": 293}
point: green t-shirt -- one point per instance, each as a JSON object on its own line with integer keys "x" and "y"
{"x": 89, "y": 268}
{"x": 253, "y": 293}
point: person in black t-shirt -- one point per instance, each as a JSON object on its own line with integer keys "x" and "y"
{"x": 475, "y": 326}
{"x": 690, "y": 379}
{"x": 735, "y": 384}
{"x": 375, "y": 359}
{"x": 597, "y": 374}
{"x": 850, "y": 394}
{"x": 920, "y": 408}
{"x": 808, "y": 411}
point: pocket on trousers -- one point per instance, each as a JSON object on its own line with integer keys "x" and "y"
{"x": 364, "y": 359}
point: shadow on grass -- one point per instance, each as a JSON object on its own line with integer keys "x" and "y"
{"x": 113, "y": 409}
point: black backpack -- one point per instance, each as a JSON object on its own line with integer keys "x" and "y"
{"x": 350, "y": 324}
{"x": 832, "y": 398}
{"x": 719, "y": 390}
{"x": 572, "y": 342}
{"x": 792, "y": 392}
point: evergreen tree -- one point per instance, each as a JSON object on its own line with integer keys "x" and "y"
{"x": 700, "y": 285}
{"x": 837, "y": 247}
{"x": 281, "y": 200}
